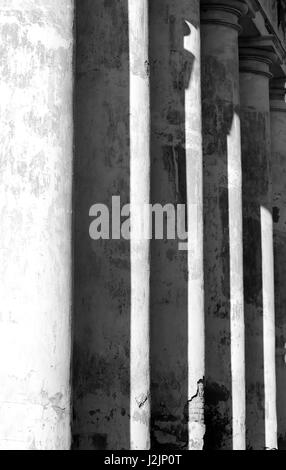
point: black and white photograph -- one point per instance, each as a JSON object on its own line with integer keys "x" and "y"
{"x": 143, "y": 228}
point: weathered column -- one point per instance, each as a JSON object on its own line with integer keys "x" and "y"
{"x": 111, "y": 281}
{"x": 139, "y": 196}
{"x": 278, "y": 144}
{"x": 177, "y": 296}
{"x": 35, "y": 195}
{"x": 225, "y": 374}
{"x": 258, "y": 245}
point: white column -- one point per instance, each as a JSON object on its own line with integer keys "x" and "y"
{"x": 194, "y": 178}
{"x": 35, "y": 206}
{"x": 139, "y": 196}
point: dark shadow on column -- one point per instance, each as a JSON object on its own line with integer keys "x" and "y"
{"x": 171, "y": 68}
{"x": 254, "y": 164}
{"x": 101, "y": 356}
{"x": 217, "y": 122}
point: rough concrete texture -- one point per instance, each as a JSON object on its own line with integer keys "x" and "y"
{"x": 225, "y": 391}
{"x": 36, "y": 49}
{"x": 175, "y": 146}
{"x": 258, "y": 251}
{"x": 278, "y": 141}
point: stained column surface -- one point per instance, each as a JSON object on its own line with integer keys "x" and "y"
{"x": 111, "y": 276}
{"x": 258, "y": 247}
{"x": 278, "y": 145}
{"x": 35, "y": 193}
{"x": 225, "y": 373}
{"x": 177, "y": 323}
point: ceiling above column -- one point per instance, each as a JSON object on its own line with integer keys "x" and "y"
{"x": 266, "y": 22}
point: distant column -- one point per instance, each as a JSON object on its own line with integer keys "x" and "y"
{"x": 225, "y": 373}
{"x": 36, "y": 114}
{"x": 278, "y": 144}
{"x": 255, "y": 64}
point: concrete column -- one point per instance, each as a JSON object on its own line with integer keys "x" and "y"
{"x": 278, "y": 144}
{"x": 35, "y": 194}
{"x": 139, "y": 197}
{"x": 258, "y": 245}
{"x": 177, "y": 296}
{"x": 225, "y": 372}
{"x": 111, "y": 280}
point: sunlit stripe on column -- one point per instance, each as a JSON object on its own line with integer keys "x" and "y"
{"x": 268, "y": 328}
{"x": 139, "y": 195}
{"x": 236, "y": 284}
{"x": 194, "y": 172}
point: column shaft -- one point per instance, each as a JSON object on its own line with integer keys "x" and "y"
{"x": 111, "y": 359}
{"x": 139, "y": 196}
{"x": 258, "y": 247}
{"x": 177, "y": 301}
{"x": 278, "y": 145}
{"x": 225, "y": 373}
{"x": 35, "y": 195}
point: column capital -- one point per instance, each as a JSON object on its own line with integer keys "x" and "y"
{"x": 257, "y": 55}
{"x": 223, "y": 12}
{"x": 277, "y": 94}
